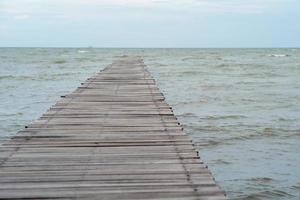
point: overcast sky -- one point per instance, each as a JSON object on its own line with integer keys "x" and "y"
{"x": 150, "y": 23}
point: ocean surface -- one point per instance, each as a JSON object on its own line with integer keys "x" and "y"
{"x": 240, "y": 106}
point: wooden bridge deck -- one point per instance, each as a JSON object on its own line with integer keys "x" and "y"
{"x": 112, "y": 138}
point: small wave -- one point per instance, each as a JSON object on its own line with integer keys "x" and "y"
{"x": 281, "y": 132}
{"x": 234, "y": 138}
{"x": 187, "y": 58}
{"x": 219, "y": 117}
{"x": 84, "y": 59}
{"x": 278, "y": 55}
{"x": 189, "y": 73}
{"x": 191, "y": 58}
{"x": 289, "y": 134}
{"x": 158, "y": 64}
{"x": 209, "y": 128}
{"x": 282, "y": 119}
{"x": 124, "y": 56}
{"x": 6, "y": 77}
{"x": 59, "y": 61}
{"x": 262, "y": 179}
{"x": 11, "y": 77}
{"x": 11, "y": 114}
{"x": 215, "y": 87}
{"x": 268, "y": 194}
{"x": 208, "y": 143}
{"x": 222, "y": 65}
{"x": 188, "y": 114}
{"x": 42, "y": 77}
{"x": 296, "y": 186}
{"x": 10, "y": 87}
{"x": 220, "y": 161}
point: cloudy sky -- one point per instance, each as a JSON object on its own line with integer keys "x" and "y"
{"x": 150, "y": 23}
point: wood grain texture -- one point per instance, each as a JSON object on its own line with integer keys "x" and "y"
{"x": 114, "y": 138}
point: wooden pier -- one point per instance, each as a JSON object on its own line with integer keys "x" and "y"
{"x": 113, "y": 138}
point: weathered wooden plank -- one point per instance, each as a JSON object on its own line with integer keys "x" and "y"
{"x": 114, "y": 137}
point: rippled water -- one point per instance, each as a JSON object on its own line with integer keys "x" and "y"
{"x": 240, "y": 106}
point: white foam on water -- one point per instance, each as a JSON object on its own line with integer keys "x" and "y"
{"x": 279, "y": 55}
{"x": 82, "y": 51}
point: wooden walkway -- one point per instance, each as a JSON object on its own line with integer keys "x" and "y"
{"x": 112, "y": 138}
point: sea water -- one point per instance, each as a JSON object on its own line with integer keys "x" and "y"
{"x": 240, "y": 106}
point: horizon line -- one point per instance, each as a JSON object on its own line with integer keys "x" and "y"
{"x": 97, "y": 47}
